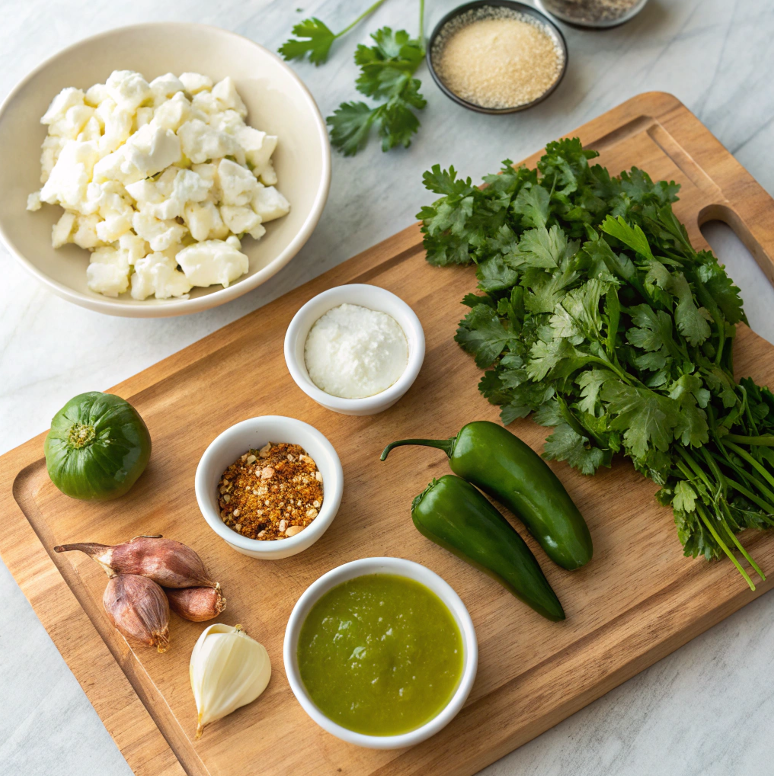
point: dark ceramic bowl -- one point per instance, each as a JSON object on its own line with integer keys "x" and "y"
{"x": 589, "y": 25}
{"x": 527, "y": 10}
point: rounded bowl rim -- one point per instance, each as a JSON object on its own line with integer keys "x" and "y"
{"x": 333, "y": 483}
{"x": 400, "y": 567}
{"x": 386, "y": 397}
{"x": 529, "y": 10}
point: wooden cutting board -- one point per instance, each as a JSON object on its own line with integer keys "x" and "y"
{"x": 638, "y": 600}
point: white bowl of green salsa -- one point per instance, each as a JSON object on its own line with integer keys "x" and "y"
{"x": 381, "y": 652}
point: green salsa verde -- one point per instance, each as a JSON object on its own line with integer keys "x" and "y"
{"x": 380, "y": 654}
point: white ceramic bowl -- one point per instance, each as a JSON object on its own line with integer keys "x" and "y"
{"x": 404, "y": 568}
{"x": 254, "y": 434}
{"x": 374, "y": 298}
{"x": 277, "y": 101}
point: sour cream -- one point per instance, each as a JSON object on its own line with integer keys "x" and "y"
{"x": 353, "y": 352}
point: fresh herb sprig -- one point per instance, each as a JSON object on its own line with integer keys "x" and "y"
{"x": 387, "y": 71}
{"x": 314, "y": 38}
{"x": 598, "y": 316}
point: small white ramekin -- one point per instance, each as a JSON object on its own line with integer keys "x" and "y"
{"x": 374, "y": 298}
{"x": 400, "y": 567}
{"x": 254, "y": 434}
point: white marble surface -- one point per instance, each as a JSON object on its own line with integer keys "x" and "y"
{"x": 707, "y": 709}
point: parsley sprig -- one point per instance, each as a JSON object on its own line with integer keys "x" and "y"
{"x": 387, "y": 71}
{"x": 597, "y": 316}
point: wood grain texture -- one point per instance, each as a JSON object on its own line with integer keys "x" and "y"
{"x": 638, "y": 600}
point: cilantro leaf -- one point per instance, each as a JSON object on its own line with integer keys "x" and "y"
{"x": 531, "y": 204}
{"x": 646, "y": 418}
{"x": 350, "y": 125}
{"x": 494, "y": 275}
{"x": 565, "y": 444}
{"x": 544, "y": 248}
{"x": 314, "y": 38}
{"x": 691, "y": 320}
{"x": 726, "y": 295}
{"x": 633, "y": 237}
{"x": 685, "y": 497}
{"x": 482, "y": 334}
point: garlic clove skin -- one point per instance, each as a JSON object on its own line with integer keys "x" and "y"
{"x": 228, "y": 670}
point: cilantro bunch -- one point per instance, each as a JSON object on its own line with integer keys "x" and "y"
{"x": 386, "y": 73}
{"x": 597, "y": 316}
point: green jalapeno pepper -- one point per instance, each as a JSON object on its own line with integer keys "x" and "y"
{"x": 454, "y": 515}
{"x": 509, "y": 471}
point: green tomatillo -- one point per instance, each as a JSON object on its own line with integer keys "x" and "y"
{"x": 97, "y": 447}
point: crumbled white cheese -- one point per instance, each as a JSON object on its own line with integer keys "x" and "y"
{"x": 212, "y": 262}
{"x": 157, "y": 180}
{"x": 353, "y": 352}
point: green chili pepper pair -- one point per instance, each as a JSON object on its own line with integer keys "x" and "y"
{"x": 453, "y": 514}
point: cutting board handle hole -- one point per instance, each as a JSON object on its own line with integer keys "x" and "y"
{"x": 732, "y": 251}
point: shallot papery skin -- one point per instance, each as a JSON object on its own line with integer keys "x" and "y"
{"x": 139, "y": 609}
{"x": 165, "y": 561}
{"x": 197, "y": 604}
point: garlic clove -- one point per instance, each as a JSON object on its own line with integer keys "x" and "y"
{"x": 165, "y": 561}
{"x": 228, "y": 670}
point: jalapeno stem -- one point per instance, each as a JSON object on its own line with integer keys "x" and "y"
{"x": 447, "y": 445}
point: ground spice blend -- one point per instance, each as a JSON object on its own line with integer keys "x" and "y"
{"x": 271, "y": 493}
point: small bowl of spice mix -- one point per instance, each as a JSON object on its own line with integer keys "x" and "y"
{"x": 593, "y": 13}
{"x": 269, "y": 486}
{"x": 496, "y": 56}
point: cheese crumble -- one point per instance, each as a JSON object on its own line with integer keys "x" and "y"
{"x": 160, "y": 181}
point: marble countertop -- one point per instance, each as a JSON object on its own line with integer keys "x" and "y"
{"x": 706, "y": 709}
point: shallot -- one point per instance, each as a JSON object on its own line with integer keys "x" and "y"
{"x": 196, "y": 603}
{"x": 165, "y": 561}
{"x": 138, "y": 608}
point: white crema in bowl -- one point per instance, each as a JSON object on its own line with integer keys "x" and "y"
{"x": 353, "y": 352}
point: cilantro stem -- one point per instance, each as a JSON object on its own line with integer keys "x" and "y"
{"x": 748, "y": 494}
{"x": 422, "y": 24}
{"x": 743, "y": 454}
{"x": 767, "y": 440}
{"x": 359, "y": 19}
{"x": 716, "y": 536}
{"x": 727, "y": 512}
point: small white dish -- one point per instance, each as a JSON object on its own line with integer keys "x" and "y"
{"x": 374, "y": 298}
{"x": 254, "y": 434}
{"x": 277, "y": 102}
{"x": 403, "y": 568}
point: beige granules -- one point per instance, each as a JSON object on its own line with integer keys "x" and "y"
{"x": 497, "y": 58}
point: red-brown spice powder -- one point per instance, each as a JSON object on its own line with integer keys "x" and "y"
{"x": 271, "y": 493}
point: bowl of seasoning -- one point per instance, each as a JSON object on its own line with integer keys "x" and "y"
{"x": 497, "y": 56}
{"x": 355, "y": 349}
{"x": 269, "y": 486}
{"x": 599, "y": 14}
{"x": 381, "y": 652}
